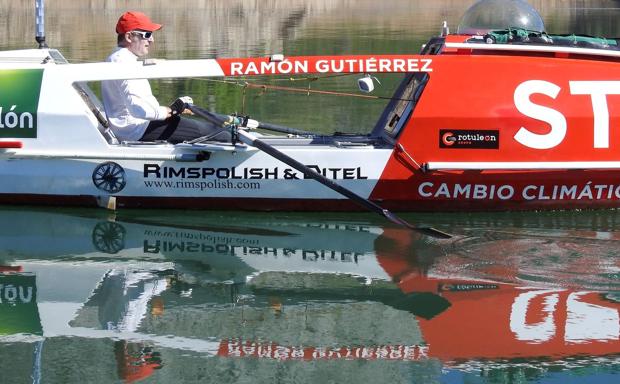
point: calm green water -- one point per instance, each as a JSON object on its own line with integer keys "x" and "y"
{"x": 225, "y": 297}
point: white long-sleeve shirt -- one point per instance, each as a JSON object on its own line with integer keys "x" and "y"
{"x": 129, "y": 104}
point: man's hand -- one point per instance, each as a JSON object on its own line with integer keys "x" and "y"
{"x": 180, "y": 105}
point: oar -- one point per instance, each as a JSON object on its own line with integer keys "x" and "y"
{"x": 252, "y": 140}
{"x": 253, "y": 124}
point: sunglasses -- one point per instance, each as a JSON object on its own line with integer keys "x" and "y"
{"x": 143, "y": 35}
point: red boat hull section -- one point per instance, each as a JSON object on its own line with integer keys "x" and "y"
{"x": 517, "y": 110}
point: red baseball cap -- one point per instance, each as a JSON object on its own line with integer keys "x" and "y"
{"x": 130, "y": 21}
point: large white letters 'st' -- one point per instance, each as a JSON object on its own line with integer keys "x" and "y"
{"x": 554, "y": 118}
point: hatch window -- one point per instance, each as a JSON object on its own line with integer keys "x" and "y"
{"x": 401, "y": 107}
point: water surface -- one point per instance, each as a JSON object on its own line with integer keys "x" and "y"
{"x": 228, "y": 297}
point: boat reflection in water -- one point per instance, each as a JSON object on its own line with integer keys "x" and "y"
{"x": 150, "y": 295}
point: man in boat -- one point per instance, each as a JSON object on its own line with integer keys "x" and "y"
{"x": 132, "y": 110}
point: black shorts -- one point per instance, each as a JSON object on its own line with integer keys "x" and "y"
{"x": 178, "y": 129}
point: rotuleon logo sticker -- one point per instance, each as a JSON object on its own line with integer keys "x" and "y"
{"x": 469, "y": 139}
{"x": 19, "y": 100}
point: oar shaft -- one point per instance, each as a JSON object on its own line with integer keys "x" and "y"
{"x": 255, "y": 142}
{"x": 268, "y": 149}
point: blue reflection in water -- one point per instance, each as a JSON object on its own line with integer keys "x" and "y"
{"x": 156, "y": 290}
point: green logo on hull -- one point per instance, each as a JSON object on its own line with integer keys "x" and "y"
{"x": 19, "y": 101}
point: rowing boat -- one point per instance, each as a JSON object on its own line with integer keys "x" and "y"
{"x": 484, "y": 119}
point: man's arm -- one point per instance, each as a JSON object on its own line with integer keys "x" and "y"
{"x": 141, "y": 102}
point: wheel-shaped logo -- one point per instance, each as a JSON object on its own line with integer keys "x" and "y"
{"x": 109, "y": 177}
{"x": 109, "y": 237}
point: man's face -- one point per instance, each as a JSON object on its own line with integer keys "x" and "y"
{"x": 139, "y": 43}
